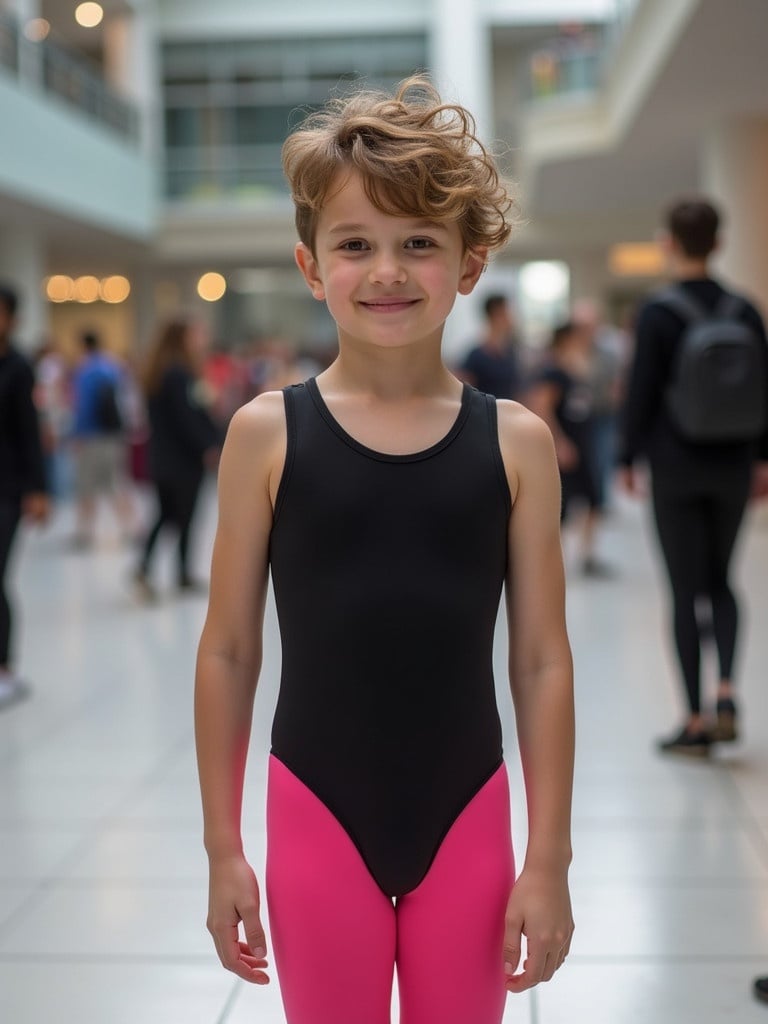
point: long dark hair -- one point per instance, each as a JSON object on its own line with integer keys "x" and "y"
{"x": 171, "y": 347}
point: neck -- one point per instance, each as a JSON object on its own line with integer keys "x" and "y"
{"x": 5, "y": 343}
{"x": 686, "y": 267}
{"x": 495, "y": 337}
{"x": 392, "y": 374}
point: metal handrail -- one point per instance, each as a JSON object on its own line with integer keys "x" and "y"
{"x": 47, "y": 66}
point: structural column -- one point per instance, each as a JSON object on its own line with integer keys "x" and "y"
{"x": 460, "y": 62}
{"x": 132, "y": 67}
{"x": 22, "y": 266}
{"x": 734, "y": 173}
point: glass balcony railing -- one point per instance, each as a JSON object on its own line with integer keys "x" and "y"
{"x": 576, "y": 61}
{"x": 224, "y": 172}
{"x": 47, "y": 66}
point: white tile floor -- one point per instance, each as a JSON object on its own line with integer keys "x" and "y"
{"x": 102, "y": 875}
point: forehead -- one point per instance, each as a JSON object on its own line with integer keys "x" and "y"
{"x": 348, "y": 205}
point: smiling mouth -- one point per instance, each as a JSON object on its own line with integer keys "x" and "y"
{"x": 389, "y": 305}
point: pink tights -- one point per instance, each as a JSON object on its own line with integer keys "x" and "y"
{"x": 336, "y": 936}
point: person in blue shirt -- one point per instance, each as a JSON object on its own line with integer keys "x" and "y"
{"x": 99, "y": 443}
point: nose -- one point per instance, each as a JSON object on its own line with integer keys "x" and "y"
{"x": 387, "y": 268}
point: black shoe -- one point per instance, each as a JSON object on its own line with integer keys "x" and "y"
{"x": 693, "y": 744}
{"x": 597, "y": 570}
{"x": 760, "y": 989}
{"x": 192, "y": 586}
{"x": 726, "y": 728}
{"x": 143, "y": 589}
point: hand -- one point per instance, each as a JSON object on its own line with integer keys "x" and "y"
{"x": 760, "y": 480}
{"x": 234, "y": 897}
{"x": 630, "y": 481}
{"x": 211, "y": 458}
{"x": 567, "y": 453}
{"x": 36, "y": 507}
{"x": 539, "y": 908}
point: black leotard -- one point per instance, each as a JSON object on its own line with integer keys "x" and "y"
{"x": 387, "y": 572}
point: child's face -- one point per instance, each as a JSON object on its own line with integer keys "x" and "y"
{"x": 388, "y": 281}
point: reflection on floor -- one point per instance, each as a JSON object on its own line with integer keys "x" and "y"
{"x": 102, "y": 874}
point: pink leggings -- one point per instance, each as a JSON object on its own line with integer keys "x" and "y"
{"x": 336, "y": 936}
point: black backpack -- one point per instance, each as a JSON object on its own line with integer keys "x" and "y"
{"x": 107, "y": 414}
{"x": 719, "y": 387}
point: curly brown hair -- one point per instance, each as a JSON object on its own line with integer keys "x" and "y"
{"x": 417, "y": 157}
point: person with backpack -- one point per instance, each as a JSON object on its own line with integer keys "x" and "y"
{"x": 697, "y": 409}
{"x": 99, "y": 441}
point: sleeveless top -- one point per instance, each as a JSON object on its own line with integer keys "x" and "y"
{"x": 387, "y": 573}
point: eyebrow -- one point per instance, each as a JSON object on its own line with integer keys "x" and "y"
{"x": 351, "y": 229}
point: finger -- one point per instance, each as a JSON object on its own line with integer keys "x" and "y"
{"x": 513, "y": 940}
{"x": 550, "y": 966}
{"x": 228, "y": 946}
{"x": 247, "y": 955}
{"x": 533, "y": 972}
{"x": 254, "y": 932}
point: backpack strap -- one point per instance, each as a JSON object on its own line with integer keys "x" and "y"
{"x": 730, "y": 307}
{"x": 678, "y": 300}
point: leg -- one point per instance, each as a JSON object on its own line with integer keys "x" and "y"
{"x": 332, "y": 928}
{"x": 85, "y": 490}
{"x": 457, "y": 913}
{"x": 681, "y": 525}
{"x": 186, "y": 501}
{"x": 725, "y": 517}
{"x": 10, "y": 514}
{"x": 164, "y": 516}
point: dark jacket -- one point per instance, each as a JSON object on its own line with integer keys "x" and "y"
{"x": 21, "y": 457}
{"x": 648, "y": 427}
{"x": 181, "y": 429}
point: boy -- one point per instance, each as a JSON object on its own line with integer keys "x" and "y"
{"x": 391, "y": 509}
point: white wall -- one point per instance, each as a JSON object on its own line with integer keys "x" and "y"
{"x": 180, "y": 19}
{"x": 56, "y": 158}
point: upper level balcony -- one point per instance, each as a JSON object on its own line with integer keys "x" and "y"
{"x": 70, "y": 143}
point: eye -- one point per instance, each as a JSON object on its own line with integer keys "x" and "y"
{"x": 419, "y": 243}
{"x": 354, "y": 245}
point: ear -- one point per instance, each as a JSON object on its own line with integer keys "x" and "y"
{"x": 307, "y": 264}
{"x": 472, "y": 265}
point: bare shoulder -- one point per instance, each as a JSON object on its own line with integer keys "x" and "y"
{"x": 262, "y": 418}
{"x": 525, "y": 441}
{"x": 254, "y": 451}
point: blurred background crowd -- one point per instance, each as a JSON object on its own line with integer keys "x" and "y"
{"x": 147, "y": 233}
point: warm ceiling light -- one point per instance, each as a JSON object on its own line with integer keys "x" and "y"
{"x": 89, "y": 15}
{"x": 115, "y": 289}
{"x": 637, "y": 259}
{"x": 59, "y": 288}
{"x": 211, "y": 287}
{"x": 86, "y": 289}
{"x": 37, "y": 29}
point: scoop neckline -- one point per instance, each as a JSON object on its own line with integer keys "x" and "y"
{"x": 372, "y": 453}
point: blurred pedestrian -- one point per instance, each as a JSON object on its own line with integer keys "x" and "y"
{"x": 493, "y": 366}
{"x": 54, "y": 404}
{"x": 561, "y": 393}
{"x": 99, "y": 441}
{"x": 608, "y": 368}
{"x": 761, "y": 989}
{"x": 696, "y": 409}
{"x": 183, "y": 442}
{"x": 22, "y": 473}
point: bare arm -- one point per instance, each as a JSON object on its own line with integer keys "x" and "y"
{"x": 228, "y": 663}
{"x": 541, "y": 680}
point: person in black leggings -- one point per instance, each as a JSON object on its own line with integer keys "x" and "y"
{"x": 22, "y": 473}
{"x": 183, "y": 442}
{"x": 700, "y": 490}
